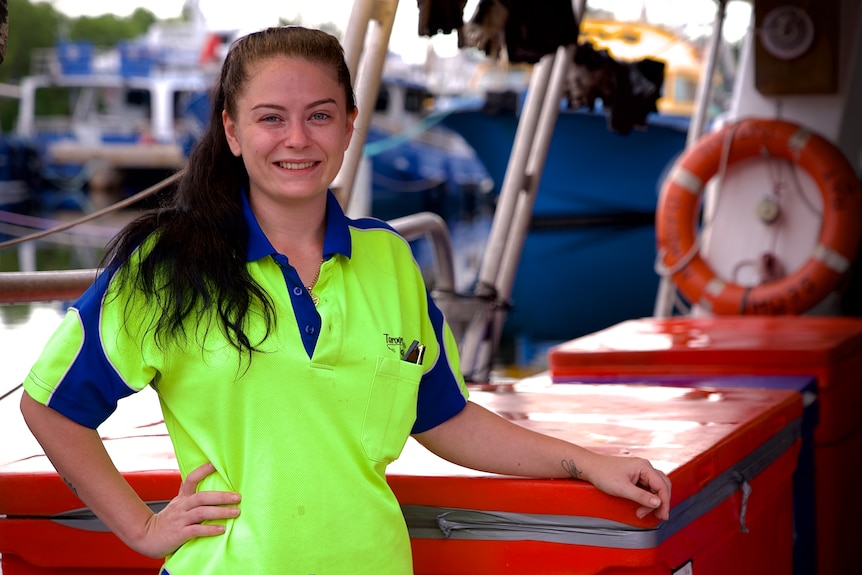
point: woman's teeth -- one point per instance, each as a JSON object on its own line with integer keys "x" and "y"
{"x": 295, "y": 166}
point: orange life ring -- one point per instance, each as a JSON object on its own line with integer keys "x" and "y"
{"x": 840, "y": 232}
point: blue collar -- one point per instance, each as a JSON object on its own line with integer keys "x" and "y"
{"x": 336, "y": 241}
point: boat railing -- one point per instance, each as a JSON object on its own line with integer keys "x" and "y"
{"x": 58, "y": 285}
{"x": 459, "y": 309}
{"x": 58, "y": 124}
{"x": 112, "y": 126}
{"x": 65, "y": 285}
{"x": 44, "y": 61}
{"x": 434, "y": 228}
{"x": 70, "y": 58}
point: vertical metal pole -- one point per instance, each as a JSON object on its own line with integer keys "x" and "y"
{"x": 666, "y": 289}
{"x": 515, "y": 207}
{"x": 539, "y": 154}
{"x": 354, "y": 35}
{"x": 27, "y": 107}
{"x": 515, "y": 179}
{"x": 704, "y": 86}
{"x": 367, "y": 83}
{"x": 476, "y": 345}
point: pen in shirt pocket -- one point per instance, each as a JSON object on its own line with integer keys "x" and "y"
{"x": 415, "y": 353}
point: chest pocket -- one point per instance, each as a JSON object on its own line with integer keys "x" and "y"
{"x": 391, "y": 408}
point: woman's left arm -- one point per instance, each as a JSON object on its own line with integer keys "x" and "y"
{"x": 480, "y": 439}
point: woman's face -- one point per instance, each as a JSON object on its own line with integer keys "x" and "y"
{"x": 291, "y": 129}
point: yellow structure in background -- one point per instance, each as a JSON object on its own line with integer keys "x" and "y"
{"x": 631, "y": 41}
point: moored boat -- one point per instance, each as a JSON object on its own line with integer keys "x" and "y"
{"x": 136, "y": 110}
{"x": 595, "y": 202}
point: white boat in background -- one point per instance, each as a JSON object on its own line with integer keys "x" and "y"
{"x": 134, "y": 111}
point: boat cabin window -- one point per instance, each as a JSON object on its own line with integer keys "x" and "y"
{"x": 382, "y": 103}
{"x": 138, "y": 98}
{"x": 416, "y": 99}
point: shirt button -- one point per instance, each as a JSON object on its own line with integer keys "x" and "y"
{"x": 297, "y": 291}
{"x": 309, "y": 329}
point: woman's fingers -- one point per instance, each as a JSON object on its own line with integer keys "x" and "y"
{"x": 190, "y": 484}
{"x": 189, "y": 514}
{"x": 654, "y": 498}
{"x": 195, "y": 498}
{"x": 206, "y": 505}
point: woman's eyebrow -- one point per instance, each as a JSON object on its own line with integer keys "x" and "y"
{"x": 321, "y": 102}
{"x": 308, "y": 106}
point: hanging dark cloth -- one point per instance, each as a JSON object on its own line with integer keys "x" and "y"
{"x": 629, "y": 91}
{"x": 440, "y": 16}
{"x": 528, "y": 30}
{"x": 486, "y": 30}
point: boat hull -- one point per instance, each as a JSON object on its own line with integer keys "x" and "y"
{"x": 592, "y": 236}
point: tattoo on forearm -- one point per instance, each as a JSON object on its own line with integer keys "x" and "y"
{"x": 572, "y": 469}
{"x": 70, "y": 486}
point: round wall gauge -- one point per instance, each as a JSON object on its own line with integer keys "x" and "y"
{"x": 787, "y": 32}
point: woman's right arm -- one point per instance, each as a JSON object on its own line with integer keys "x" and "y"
{"x": 79, "y": 456}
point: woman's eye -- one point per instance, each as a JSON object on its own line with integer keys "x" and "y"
{"x": 319, "y": 116}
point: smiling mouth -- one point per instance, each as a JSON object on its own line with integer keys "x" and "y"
{"x": 295, "y": 165}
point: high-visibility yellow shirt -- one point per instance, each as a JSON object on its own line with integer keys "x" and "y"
{"x": 306, "y": 430}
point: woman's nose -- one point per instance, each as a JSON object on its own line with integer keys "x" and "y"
{"x": 295, "y": 135}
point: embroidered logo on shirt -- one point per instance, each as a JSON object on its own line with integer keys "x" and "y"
{"x": 395, "y": 344}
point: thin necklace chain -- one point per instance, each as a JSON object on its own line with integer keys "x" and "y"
{"x": 313, "y": 283}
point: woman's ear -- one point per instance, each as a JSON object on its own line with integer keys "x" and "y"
{"x": 230, "y": 134}
{"x": 348, "y": 131}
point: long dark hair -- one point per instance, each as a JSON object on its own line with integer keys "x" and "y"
{"x": 197, "y": 264}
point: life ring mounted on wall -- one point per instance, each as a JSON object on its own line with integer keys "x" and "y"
{"x": 680, "y": 200}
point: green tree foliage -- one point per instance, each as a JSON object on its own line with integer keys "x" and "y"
{"x": 4, "y": 27}
{"x": 31, "y": 26}
{"x": 108, "y": 30}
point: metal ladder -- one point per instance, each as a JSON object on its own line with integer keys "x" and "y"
{"x": 477, "y": 319}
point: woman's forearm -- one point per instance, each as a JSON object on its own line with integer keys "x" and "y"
{"x": 480, "y": 439}
{"x": 78, "y": 454}
{"x": 503, "y": 447}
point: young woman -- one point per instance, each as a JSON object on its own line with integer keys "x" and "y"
{"x": 276, "y": 332}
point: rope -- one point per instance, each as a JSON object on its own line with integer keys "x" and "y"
{"x": 13, "y": 219}
{"x": 65, "y": 239}
{"x": 89, "y": 217}
{"x": 659, "y": 266}
{"x": 11, "y": 391}
{"x": 97, "y": 214}
{"x": 805, "y": 199}
{"x": 372, "y": 149}
{"x": 407, "y": 186}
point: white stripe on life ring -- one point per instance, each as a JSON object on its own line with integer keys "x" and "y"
{"x": 687, "y": 180}
{"x": 714, "y": 287}
{"x": 831, "y": 258}
{"x": 798, "y": 141}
